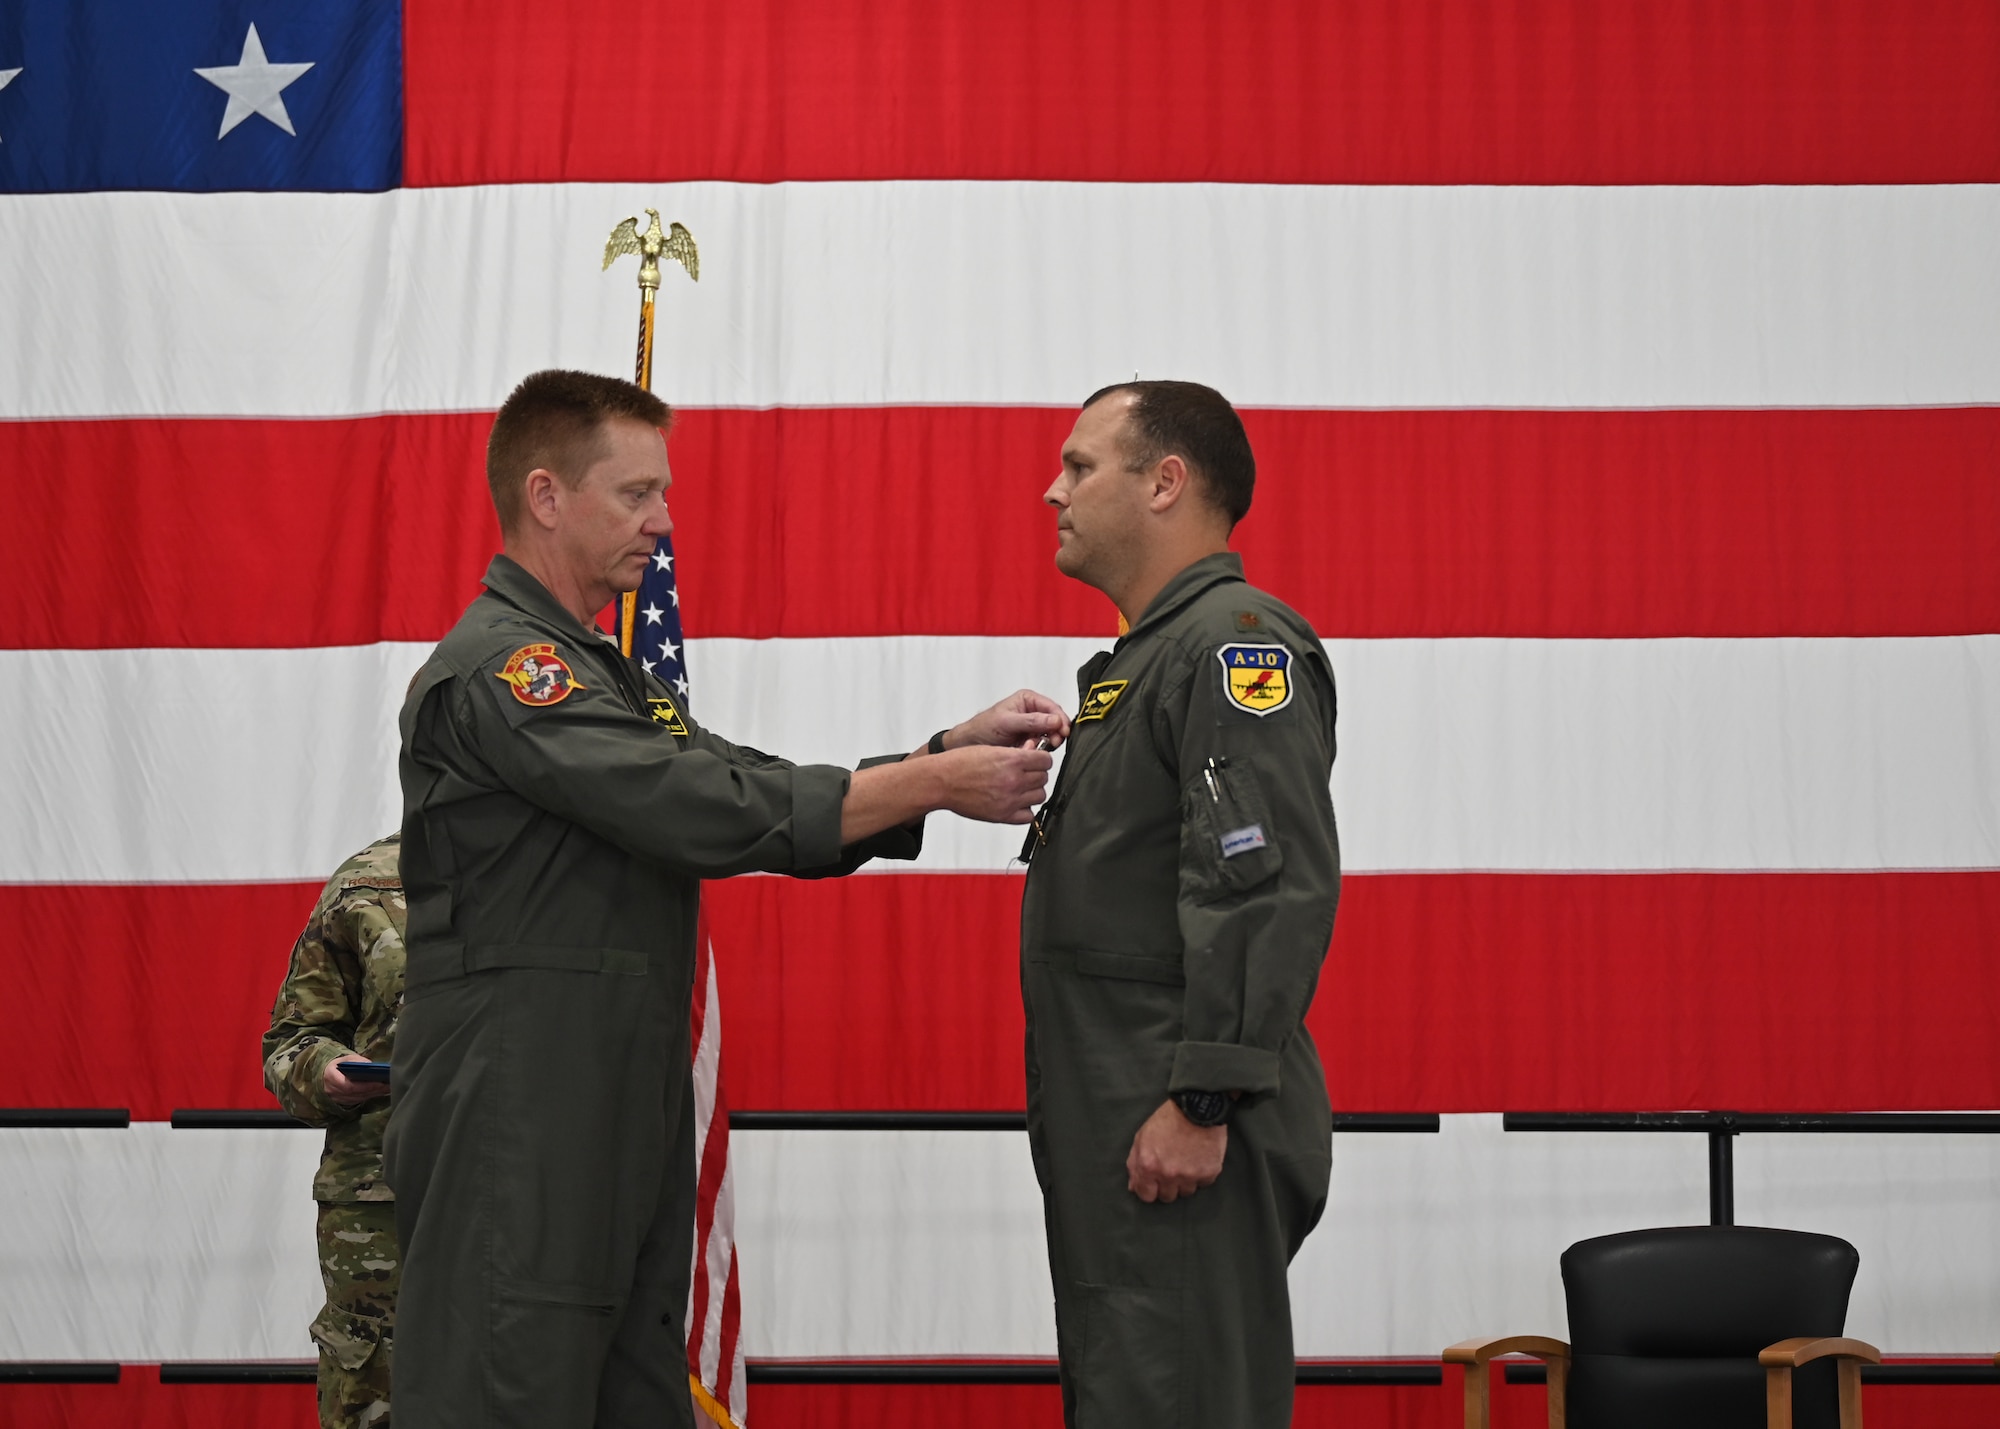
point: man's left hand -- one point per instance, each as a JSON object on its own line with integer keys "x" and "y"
{"x": 1172, "y": 1157}
{"x": 1023, "y": 720}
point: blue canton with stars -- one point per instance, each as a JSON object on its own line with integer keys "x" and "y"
{"x": 657, "y": 643}
{"x": 201, "y": 95}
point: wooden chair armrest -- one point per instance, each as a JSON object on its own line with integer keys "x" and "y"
{"x": 1781, "y": 1359}
{"x": 1477, "y": 1352}
{"x": 1477, "y": 1357}
{"x": 1790, "y": 1354}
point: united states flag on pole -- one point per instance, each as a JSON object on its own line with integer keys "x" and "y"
{"x": 1625, "y": 386}
{"x": 651, "y": 635}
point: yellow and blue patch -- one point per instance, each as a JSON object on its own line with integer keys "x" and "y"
{"x": 1256, "y": 677}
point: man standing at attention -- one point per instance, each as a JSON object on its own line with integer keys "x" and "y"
{"x": 338, "y": 1003}
{"x": 560, "y": 807}
{"x": 1180, "y": 898}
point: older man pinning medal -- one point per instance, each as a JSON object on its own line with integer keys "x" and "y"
{"x": 560, "y": 807}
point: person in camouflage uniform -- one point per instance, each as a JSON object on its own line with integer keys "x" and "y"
{"x": 339, "y": 1003}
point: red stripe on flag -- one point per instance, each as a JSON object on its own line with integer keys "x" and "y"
{"x": 1367, "y": 91}
{"x": 1428, "y": 523}
{"x": 141, "y": 1400}
{"x": 1443, "y": 992}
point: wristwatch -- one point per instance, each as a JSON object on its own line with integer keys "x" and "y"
{"x": 1205, "y": 1108}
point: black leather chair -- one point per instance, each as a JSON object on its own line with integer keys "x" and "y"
{"x": 1720, "y": 1327}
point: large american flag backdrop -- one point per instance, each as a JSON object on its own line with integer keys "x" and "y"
{"x": 1622, "y": 380}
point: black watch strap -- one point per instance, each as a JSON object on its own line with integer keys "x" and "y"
{"x": 1204, "y": 1108}
{"x": 936, "y": 746}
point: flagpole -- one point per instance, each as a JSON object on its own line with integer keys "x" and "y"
{"x": 675, "y": 243}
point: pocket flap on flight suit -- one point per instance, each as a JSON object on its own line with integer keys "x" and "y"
{"x": 1228, "y": 842}
{"x": 558, "y": 1292}
{"x": 1135, "y": 966}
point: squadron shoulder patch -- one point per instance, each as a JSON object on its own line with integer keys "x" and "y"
{"x": 664, "y": 713}
{"x": 1099, "y": 699}
{"x": 538, "y": 676}
{"x": 1255, "y": 677}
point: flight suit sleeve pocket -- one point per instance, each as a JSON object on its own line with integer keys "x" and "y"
{"x": 1228, "y": 843}
{"x": 349, "y": 1338}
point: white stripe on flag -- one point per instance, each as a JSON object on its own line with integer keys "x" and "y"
{"x": 1010, "y": 292}
{"x": 1605, "y": 755}
{"x": 151, "y": 1244}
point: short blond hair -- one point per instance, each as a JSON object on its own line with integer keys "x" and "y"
{"x": 555, "y": 420}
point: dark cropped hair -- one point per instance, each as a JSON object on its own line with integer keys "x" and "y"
{"x": 555, "y": 420}
{"x": 1196, "y": 424}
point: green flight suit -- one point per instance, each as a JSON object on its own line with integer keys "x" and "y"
{"x": 560, "y": 808}
{"x": 339, "y": 1002}
{"x": 1179, "y": 902}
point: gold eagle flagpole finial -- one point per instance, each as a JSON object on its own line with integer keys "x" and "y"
{"x": 673, "y": 242}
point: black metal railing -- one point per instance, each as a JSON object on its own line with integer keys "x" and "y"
{"x": 1723, "y": 1127}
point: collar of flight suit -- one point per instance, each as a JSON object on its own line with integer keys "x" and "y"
{"x": 1191, "y": 582}
{"x": 510, "y": 580}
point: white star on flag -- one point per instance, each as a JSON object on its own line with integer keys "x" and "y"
{"x": 668, "y": 649}
{"x": 652, "y": 614}
{"x": 647, "y": 666}
{"x": 676, "y": 594}
{"x": 681, "y": 687}
{"x": 662, "y": 560}
{"x": 7, "y": 77}
{"x": 254, "y": 86}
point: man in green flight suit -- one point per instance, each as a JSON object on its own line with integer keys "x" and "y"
{"x": 560, "y": 807}
{"x": 339, "y": 1003}
{"x": 1179, "y": 902}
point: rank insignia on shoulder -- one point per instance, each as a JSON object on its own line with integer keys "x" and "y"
{"x": 1100, "y": 698}
{"x": 1249, "y": 620}
{"x": 1255, "y": 677}
{"x": 664, "y": 713}
{"x": 538, "y": 676}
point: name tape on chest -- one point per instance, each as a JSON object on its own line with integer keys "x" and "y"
{"x": 1257, "y": 677}
{"x": 1099, "y": 700}
{"x": 538, "y": 676}
{"x": 666, "y": 715}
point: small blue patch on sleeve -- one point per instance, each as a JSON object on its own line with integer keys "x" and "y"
{"x": 1243, "y": 840}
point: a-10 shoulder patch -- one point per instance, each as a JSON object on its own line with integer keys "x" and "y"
{"x": 664, "y": 713}
{"x": 1256, "y": 677}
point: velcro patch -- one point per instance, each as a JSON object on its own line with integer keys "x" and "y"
{"x": 538, "y": 676}
{"x": 1099, "y": 700}
{"x": 1244, "y": 840}
{"x": 1257, "y": 677}
{"x": 664, "y": 713}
